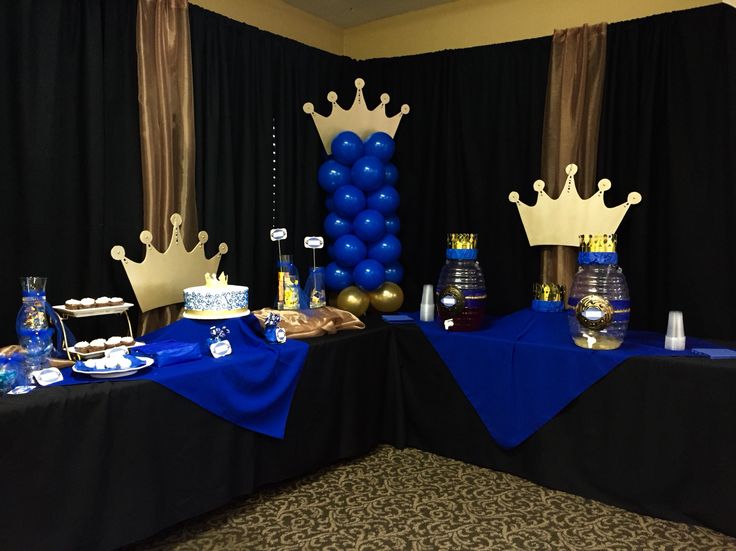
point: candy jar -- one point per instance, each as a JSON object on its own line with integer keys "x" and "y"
{"x": 288, "y": 284}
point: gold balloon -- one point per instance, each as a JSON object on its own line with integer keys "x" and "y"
{"x": 387, "y": 298}
{"x": 353, "y": 300}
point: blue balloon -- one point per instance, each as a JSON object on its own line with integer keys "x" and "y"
{"x": 390, "y": 174}
{"x": 381, "y": 145}
{"x": 367, "y": 173}
{"x": 385, "y": 200}
{"x": 369, "y": 225}
{"x": 348, "y": 200}
{"x": 336, "y": 226}
{"x": 392, "y": 224}
{"x": 332, "y": 175}
{"x": 386, "y": 250}
{"x": 369, "y": 275}
{"x": 394, "y": 272}
{"x": 348, "y": 250}
{"x": 347, "y": 147}
{"x": 337, "y": 277}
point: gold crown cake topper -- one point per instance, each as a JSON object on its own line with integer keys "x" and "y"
{"x": 561, "y": 221}
{"x": 600, "y": 243}
{"x": 462, "y": 240}
{"x": 549, "y": 292}
{"x": 213, "y": 282}
{"x": 358, "y": 118}
{"x": 160, "y": 278}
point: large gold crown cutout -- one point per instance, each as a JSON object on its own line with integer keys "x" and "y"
{"x": 159, "y": 280}
{"x": 358, "y": 118}
{"x": 561, "y": 221}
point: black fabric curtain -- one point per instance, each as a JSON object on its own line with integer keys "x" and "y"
{"x": 668, "y": 131}
{"x": 69, "y": 152}
{"x": 257, "y": 151}
{"x": 474, "y": 134}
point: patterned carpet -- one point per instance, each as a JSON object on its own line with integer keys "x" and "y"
{"x": 413, "y": 500}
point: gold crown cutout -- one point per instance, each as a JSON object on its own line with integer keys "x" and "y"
{"x": 358, "y": 118}
{"x": 561, "y": 221}
{"x": 161, "y": 277}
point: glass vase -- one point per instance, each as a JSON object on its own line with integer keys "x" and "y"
{"x": 461, "y": 287}
{"x": 288, "y": 284}
{"x": 33, "y": 328}
{"x": 315, "y": 287}
{"x": 599, "y": 298}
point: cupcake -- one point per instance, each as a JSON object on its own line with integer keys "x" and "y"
{"x": 87, "y": 302}
{"x": 102, "y": 302}
{"x": 127, "y": 341}
{"x": 82, "y": 347}
{"x": 112, "y": 342}
{"x": 97, "y": 345}
{"x": 116, "y": 301}
{"x": 72, "y": 304}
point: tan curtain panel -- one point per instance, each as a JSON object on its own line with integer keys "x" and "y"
{"x": 165, "y": 96}
{"x": 572, "y": 118}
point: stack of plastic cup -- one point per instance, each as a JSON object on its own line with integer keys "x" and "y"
{"x": 675, "y": 338}
{"x": 426, "y": 307}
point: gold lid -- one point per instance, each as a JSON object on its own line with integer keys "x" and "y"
{"x": 549, "y": 292}
{"x": 462, "y": 240}
{"x": 598, "y": 243}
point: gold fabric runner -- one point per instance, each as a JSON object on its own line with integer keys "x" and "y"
{"x": 312, "y": 323}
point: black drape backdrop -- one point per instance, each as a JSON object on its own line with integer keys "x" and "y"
{"x": 249, "y": 85}
{"x": 70, "y": 168}
{"x": 69, "y": 152}
{"x": 474, "y": 134}
{"x": 668, "y": 130}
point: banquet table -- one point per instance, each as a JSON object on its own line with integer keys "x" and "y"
{"x": 96, "y": 466}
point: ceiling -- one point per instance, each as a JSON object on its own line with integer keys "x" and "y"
{"x": 349, "y": 13}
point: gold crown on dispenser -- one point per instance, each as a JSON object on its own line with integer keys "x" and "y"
{"x": 598, "y": 243}
{"x": 462, "y": 240}
{"x": 549, "y": 292}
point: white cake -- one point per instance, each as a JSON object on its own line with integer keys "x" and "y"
{"x": 207, "y": 302}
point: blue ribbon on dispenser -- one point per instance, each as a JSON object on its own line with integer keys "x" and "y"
{"x": 462, "y": 254}
{"x": 597, "y": 258}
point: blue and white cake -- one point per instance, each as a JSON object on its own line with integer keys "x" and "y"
{"x": 215, "y": 301}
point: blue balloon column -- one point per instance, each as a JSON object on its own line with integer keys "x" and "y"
{"x": 362, "y": 222}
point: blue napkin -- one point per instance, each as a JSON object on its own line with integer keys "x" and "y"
{"x": 169, "y": 352}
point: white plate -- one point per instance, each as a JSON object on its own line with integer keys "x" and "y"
{"x": 98, "y": 353}
{"x": 113, "y": 373}
{"x": 94, "y": 311}
{"x": 223, "y": 316}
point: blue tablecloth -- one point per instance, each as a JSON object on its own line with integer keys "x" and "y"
{"x": 253, "y": 387}
{"x": 520, "y": 370}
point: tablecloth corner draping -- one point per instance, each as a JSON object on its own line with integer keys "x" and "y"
{"x": 252, "y": 387}
{"x": 520, "y": 370}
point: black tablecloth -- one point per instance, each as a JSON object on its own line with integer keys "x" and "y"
{"x": 109, "y": 463}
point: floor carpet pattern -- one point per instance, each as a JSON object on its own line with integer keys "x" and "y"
{"x": 413, "y": 500}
